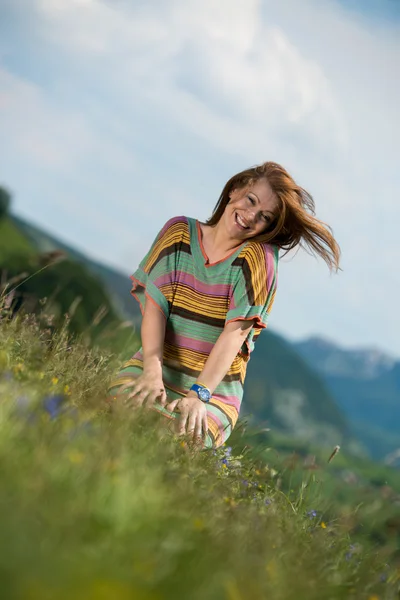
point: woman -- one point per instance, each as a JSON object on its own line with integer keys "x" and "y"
{"x": 206, "y": 290}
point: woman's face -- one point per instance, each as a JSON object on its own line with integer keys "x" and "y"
{"x": 250, "y": 211}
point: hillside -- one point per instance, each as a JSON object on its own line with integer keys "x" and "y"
{"x": 285, "y": 394}
{"x": 365, "y": 385}
{"x": 117, "y": 284}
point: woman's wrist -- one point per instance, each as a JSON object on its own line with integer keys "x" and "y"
{"x": 152, "y": 365}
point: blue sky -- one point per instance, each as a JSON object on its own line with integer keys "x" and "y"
{"x": 116, "y": 115}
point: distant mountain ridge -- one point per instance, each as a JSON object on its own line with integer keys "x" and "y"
{"x": 329, "y": 358}
{"x": 365, "y": 385}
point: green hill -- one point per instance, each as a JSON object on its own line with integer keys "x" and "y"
{"x": 282, "y": 391}
{"x": 117, "y": 284}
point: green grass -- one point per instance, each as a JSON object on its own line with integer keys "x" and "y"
{"x": 108, "y": 505}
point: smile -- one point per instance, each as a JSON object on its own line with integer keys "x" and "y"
{"x": 240, "y": 223}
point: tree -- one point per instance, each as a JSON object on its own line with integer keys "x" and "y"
{"x": 5, "y": 201}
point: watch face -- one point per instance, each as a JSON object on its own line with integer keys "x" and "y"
{"x": 204, "y": 395}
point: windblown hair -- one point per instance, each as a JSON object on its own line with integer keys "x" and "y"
{"x": 296, "y": 224}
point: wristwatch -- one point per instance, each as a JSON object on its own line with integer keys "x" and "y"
{"x": 202, "y": 392}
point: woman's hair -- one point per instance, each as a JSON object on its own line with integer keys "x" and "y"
{"x": 295, "y": 224}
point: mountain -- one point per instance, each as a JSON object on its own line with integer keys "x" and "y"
{"x": 365, "y": 385}
{"x": 281, "y": 390}
{"x": 330, "y": 359}
{"x": 117, "y": 284}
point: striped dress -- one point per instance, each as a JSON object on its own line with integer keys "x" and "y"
{"x": 197, "y": 299}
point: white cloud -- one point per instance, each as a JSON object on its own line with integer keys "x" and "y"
{"x": 140, "y": 112}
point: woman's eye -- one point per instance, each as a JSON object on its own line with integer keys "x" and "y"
{"x": 251, "y": 199}
{"x": 267, "y": 218}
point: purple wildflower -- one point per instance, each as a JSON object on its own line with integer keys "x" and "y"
{"x": 52, "y": 404}
{"x": 312, "y": 514}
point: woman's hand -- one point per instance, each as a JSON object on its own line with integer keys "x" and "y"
{"x": 193, "y": 416}
{"x": 147, "y": 389}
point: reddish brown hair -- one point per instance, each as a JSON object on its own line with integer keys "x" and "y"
{"x": 296, "y": 224}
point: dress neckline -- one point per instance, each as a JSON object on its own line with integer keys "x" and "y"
{"x": 207, "y": 263}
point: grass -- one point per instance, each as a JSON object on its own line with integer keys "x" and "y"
{"x": 108, "y": 505}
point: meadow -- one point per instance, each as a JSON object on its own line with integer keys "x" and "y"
{"x": 98, "y": 503}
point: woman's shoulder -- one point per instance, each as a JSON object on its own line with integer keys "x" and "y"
{"x": 260, "y": 252}
{"x": 180, "y": 220}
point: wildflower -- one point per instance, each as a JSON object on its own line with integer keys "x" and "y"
{"x": 76, "y": 457}
{"x": 267, "y": 501}
{"x": 52, "y": 405}
{"x": 229, "y": 501}
{"x": 54, "y": 381}
{"x": 323, "y": 525}
{"x": 373, "y": 597}
{"x": 198, "y": 524}
{"x": 224, "y": 461}
{"x": 67, "y": 390}
{"x": 312, "y": 514}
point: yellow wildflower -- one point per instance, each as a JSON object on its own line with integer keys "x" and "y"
{"x": 232, "y": 591}
{"x": 67, "y": 390}
{"x": 272, "y": 569}
{"x": 373, "y": 597}
{"x": 75, "y": 457}
{"x": 230, "y": 501}
{"x": 323, "y": 525}
{"x": 54, "y": 381}
{"x": 198, "y": 524}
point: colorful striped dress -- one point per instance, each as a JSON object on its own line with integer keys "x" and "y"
{"x": 197, "y": 299}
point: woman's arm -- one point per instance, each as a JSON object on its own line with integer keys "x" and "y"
{"x": 149, "y": 386}
{"x": 153, "y": 334}
{"x": 224, "y": 352}
{"x": 193, "y": 419}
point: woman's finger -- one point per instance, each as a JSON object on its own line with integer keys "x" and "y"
{"x": 198, "y": 428}
{"x": 163, "y": 398}
{"x": 137, "y": 399}
{"x": 126, "y": 386}
{"x": 192, "y": 422}
{"x": 205, "y": 425}
{"x": 182, "y": 423}
{"x": 171, "y": 405}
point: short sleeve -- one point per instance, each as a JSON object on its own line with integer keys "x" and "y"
{"x": 254, "y": 288}
{"x": 154, "y": 279}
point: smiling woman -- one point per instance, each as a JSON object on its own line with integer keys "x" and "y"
{"x": 206, "y": 291}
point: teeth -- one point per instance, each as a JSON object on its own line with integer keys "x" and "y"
{"x": 239, "y": 220}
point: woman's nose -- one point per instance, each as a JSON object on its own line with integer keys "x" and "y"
{"x": 250, "y": 216}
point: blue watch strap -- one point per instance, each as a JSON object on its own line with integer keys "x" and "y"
{"x": 202, "y": 392}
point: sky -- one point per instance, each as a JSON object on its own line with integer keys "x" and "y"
{"x": 116, "y": 115}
